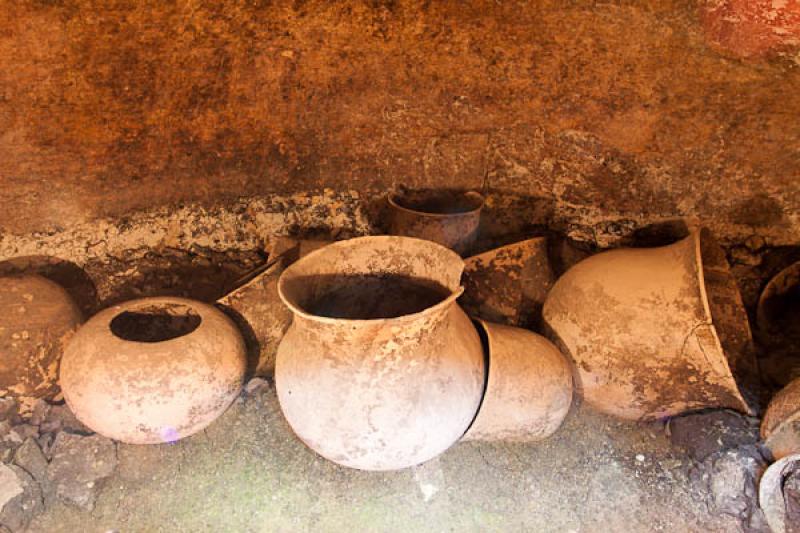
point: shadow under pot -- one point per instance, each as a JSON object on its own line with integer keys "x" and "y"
{"x": 449, "y": 217}
{"x": 153, "y": 370}
{"x": 655, "y": 332}
{"x": 381, "y": 369}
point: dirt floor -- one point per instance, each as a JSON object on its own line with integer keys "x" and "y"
{"x": 248, "y": 472}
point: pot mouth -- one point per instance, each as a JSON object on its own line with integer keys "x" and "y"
{"x": 778, "y": 308}
{"x": 437, "y": 202}
{"x": 372, "y": 279}
{"x": 724, "y": 310}
{"x": 153, "y": 322}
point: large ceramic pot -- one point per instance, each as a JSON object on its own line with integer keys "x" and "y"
{"x": 528, "y": 390}
{"x": 153, "y": 370}
{"x": 381, "y": 369}
{"x": 448, "y": 217}
{"x": 654, "y": 332}
{"x": 37, "y": 317}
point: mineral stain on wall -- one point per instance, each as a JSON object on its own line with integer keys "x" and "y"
{"x": 605, "y": 115}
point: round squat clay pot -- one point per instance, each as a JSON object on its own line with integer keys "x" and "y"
{"x": 381, "y": 369}
{"x": 153, "y": 370}
{"x": 780, "y": 427}
{"x": 37, "y": 317}
{"x": 654, "y": 332}
{"x": 528, "y": 390}
{"x": 448, "y": 217}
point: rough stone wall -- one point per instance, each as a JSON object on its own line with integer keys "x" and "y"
{"x": 592, "y": 117}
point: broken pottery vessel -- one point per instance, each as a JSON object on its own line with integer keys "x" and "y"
{"x": 777, "y": 494}
{"x": 509, "y": 284}
{"x": 780, "y": 427}
{"x": 153, "y": 370}
{"x": 446, "y": 216}
{"x": 256, "y": 308}
{"x": 528, "y": 390}
{"x": 654, "y": 332}
{"x": 381, "y": 369}
{"x": 37, "y": 317}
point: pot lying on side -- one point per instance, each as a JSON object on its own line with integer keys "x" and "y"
{"x": 528, "y": 390}
{"x": 381, "y": 369}
{"x": 654, "y": 332}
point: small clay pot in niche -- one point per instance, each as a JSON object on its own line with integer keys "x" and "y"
{"x": 37, "y": 317}
{"x": 381, "y": 369}
{"x": 449, "y": 217}
{"x": 153, "y": 370}
{"x": 654, "y": 332}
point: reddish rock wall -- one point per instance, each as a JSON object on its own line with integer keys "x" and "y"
{"x": 593, "y": 117}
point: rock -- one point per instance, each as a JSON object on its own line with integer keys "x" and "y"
{"x": 732, "y": 480}
{"x": 79, "y": 463}
{"x": 10, "y": 486}
{"x": 702, "y": 434}
{"x": 18, "y": 511}
{"x": 24, "y": 431}
{"x": 46, "y": 444}
{"x": 255, "y": 386}
{"x": 6, "y": 452}
{"x": 5, "y": 429}
{"x": 9, "y": 409}
{"x": 30, "y": 457}
{"x": 60, "y": 418}
{"x": 40, "y": 410}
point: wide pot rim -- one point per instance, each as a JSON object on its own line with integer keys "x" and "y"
{"x": 297, "y": 310}
{"x": 394, "y": 196}
{"x": 105, "y": 317}
{"x": 698, "y": 235}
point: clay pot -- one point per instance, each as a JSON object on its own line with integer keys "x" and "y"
{"x": 37, "y": 317}
{"x": 509, "y": 284}
{"x": 781, "y": 514}
{"x": 528, "y": 390}
{"x": 780, "y": 427}
{"x": 448, "y": 217}
{"x": 654, "y": 332}
{"x": 153, "y": 370}
{"x": 381, "y": 369}
{"x": 778, "y": 321}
